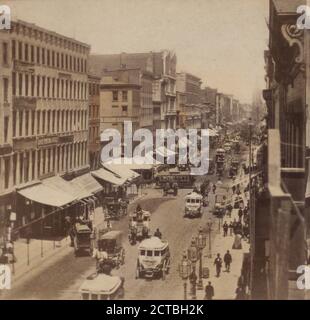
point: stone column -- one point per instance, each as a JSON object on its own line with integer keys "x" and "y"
{"x": 35, "y": 160}
{"x": 18, "y": 177}
{"x": 1, "y": 174}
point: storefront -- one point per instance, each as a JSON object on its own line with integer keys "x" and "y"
{"x": 43, "y": 207}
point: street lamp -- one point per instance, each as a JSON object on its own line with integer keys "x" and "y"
{"x": 201, "y": 243}
{"x": 184, "y": 271}
{"x": 193, "y": 257}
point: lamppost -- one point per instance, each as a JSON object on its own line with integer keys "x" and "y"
{"x": 193, "y": 257}
{"x": 184, "y": 271}
{"x": 201, "y": 244}
{"x": 209, "y": 227}
{"x": 250, "y": 204}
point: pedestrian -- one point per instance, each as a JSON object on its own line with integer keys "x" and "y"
{"x": 227, "y": 260}
{"x": 218, "y": 264}
{"x": 231, "y": 228}
{"x": 240, "y": 214}
{"x": 209, "y": 290}
{"x": 229, "y": 207}
{"x": 214, "y": 188}
{"x": 234, "y": 189}
{"x": 225, "y": 228}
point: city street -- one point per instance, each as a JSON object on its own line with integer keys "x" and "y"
{"x": 62, "y": 276}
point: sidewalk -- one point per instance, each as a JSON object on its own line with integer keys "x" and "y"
{"x": 226, "y": 285}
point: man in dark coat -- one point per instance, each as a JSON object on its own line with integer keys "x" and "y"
{"x": 225, "y": 229}
{"x": 209, "y": 290}
{"x": 227, "y": 260}
{"x": 218, "y": 264}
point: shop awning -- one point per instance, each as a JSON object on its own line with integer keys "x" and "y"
{"x": 87, "y": 183}
{"x": 122, "y": 170}
{"x": 58, "y": 183}
{"x": 109, "y": 177}
{"x": 46, "y": 194}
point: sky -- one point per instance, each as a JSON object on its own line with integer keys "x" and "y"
{"x": 220, "y": 41}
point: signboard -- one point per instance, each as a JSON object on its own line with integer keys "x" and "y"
{"x": 47, "y": 141}
{"x": 66, "y": 139}
{"x": 24, "y": 103}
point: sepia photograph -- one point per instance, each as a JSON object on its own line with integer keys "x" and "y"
{"x": 154, "y": 150}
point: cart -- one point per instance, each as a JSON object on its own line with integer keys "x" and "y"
{"x": 153, "y": 259}
{"x": 82, "y": 239}
{"x": 111, "y": 244}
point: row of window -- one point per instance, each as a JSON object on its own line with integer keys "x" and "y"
{"x": 29, "y": 165}
{"x": 49, "y": 38}
{"x": 29, "y": 53}
{"x": 24, "y": 84}
{"x": 30, "y": 123}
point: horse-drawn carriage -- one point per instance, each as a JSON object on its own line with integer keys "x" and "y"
{"x": 82, "y": 238}
{"x": 110, "y": 243}
{"x": 170, "y": 188}
{"x": 139, "y": 226}
{"x": 220, "y": 161}
{"x": 153, "y": 259}
{"x": 234, "y": 166}
{"x": 193, "y": 205}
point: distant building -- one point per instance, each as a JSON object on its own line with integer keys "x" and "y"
{"x": 120, "y": 99}
{"x": 189, "y": 100}
{"x": 157, "y": 81}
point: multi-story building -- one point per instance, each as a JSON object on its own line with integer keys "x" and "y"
{"x": 43, "y": 118}
{"x": 120, "y": 98}
{"x": 189, "y": 99}
{"x": 157, "y": 81}
{"x": 208, "y": 98}
{"x": 94, "y": 122}
{"x": 164, "y": 88}
{"x": 281, "y": 218}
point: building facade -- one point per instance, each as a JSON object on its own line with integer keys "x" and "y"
{"x": 189, "y": 99}
{"x": 281, "y": 246}
{"x": 43, "y": 111}
{"x": 142, "y": 63}
{"x": 120, "y": 100}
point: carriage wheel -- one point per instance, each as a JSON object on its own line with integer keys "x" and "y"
{"x": 168, "y": 266}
